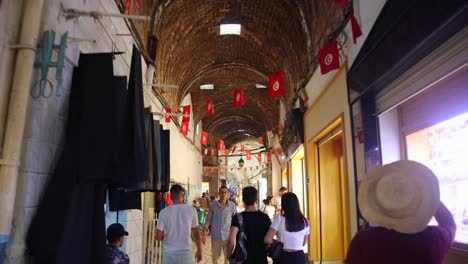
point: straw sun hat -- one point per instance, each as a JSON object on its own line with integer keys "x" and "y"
{"x": 402, "y": 196}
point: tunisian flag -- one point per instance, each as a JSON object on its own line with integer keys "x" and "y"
{"x": 329, "y": 58}
{"x": 238, "y": 98}
{"x": 209, "y": 107}
{"x": 248, "y": 155}
{"x": 355, "y": 28}
{"x": 168, "y": 118}
{"x": 275, "y": 84}
{"x": 221, "y": 145}
{"x": 260, "y": 140}
{"x": 184, "y": 128}
{"x": 204, "y": 138}
{"x": 259, "y": 157}
{"x": 186, "y": 111}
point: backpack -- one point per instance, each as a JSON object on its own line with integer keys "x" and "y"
{"x": 240, "y": 252}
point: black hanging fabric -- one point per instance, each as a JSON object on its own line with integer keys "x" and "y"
{"x": 133, "y": 161}
{"x": 165, "y": 160}
{"x": 157, "y": 139}
{"x": 104, "y": 143}
{"x": 94, "y": 85}
{"x": 120, "y": 199}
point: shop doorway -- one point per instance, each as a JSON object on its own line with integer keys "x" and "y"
{"x": 328, "y": 195}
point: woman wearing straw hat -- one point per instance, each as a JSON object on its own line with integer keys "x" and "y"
{"x": 401, "y": 199}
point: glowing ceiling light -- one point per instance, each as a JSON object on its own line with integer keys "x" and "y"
{"x": 230, "y": 29}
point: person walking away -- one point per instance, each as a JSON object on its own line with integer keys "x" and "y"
{"x": 175, "y": 225}
{"x": 115, "y": 237}
{"x": 281, "y": 191}
{"x": 269, "y": 208}
{"x": 255, "y": 225}
{"x": 219, "y": 218}
{"x": 292, "y": 229}
{"x": 401, "y": 198}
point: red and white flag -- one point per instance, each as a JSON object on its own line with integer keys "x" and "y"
{"x": 209, "y": 107}
{"x": 259, "y": 157}
{"x": 212, "y": 152}
{"x": 242, "y": 148}
{"x": 227, "y": 152}
{"x": 260, "y": 140}
{"x": 204, "y": 138}
{"x": 275, "y": 84}
{"x": 248, "y": 155}
{"x": 138, "y": 5}
{"x": 186, "y": 111}
{"x": 127, "y": 6}
{"x": 238, "y": 98}
{"x": 168, "y": 117}
{"x": 268, "y": 156}
{"x": 234, "y": 149}
{"x": 357, "y": 32}
{"x": 184, "y": 129}
{"x": 329, "y": 58}
{"x": 221, "y": 145}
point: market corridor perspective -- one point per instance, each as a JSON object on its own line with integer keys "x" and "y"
{"x": 105, "y": 105}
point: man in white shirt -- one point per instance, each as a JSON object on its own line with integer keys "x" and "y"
{"x": 282, "y": 191}
{"x": 175, "y": 225}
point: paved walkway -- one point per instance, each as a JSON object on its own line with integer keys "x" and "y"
{"x": 206, "y": 251}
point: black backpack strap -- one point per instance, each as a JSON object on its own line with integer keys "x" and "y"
{"x": 241, "y": 222}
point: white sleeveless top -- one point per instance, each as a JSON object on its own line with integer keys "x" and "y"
{"x": 291, "y": 240}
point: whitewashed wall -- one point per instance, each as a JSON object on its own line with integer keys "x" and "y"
{"x": 46, "y": 119}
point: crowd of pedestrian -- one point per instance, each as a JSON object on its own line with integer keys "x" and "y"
{"x": 399, "y": 199}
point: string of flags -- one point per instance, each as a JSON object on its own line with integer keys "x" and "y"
{"x": 329, "y": 60}
{"x": 233, "y": 168}
{"x": 128, "y": 4}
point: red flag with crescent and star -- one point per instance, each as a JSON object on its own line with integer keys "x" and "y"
{"x": 204, "y": 138}
{"x": 238, "y": 98}
{"x": 275, "y": 84}
{"x": 186, "y": 111}
{"x": 248, "y": 155}
{"x": 329, "y": 58}
{"x": 221, "y": 145}
{"x": 168, "y": 117}
{"x": 209, "y": 107}
{"x": 184, "y": 129}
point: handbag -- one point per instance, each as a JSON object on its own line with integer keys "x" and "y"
{"x": 275, "y": 249}
{"x": 240, "y": 252}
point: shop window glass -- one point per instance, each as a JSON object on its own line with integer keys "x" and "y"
{"x": 444, "y": 148}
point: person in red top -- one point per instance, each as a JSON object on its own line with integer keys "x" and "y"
{"x": 401, "y": 199}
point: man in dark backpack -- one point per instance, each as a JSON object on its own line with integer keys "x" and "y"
{"x": 255, "y": 225}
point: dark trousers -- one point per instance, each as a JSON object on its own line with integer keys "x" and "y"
{"x": 297, "y": 257}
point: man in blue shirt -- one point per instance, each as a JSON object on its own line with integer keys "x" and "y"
{"x": 115, "y": 237}
{"x": 220, "y": 217}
